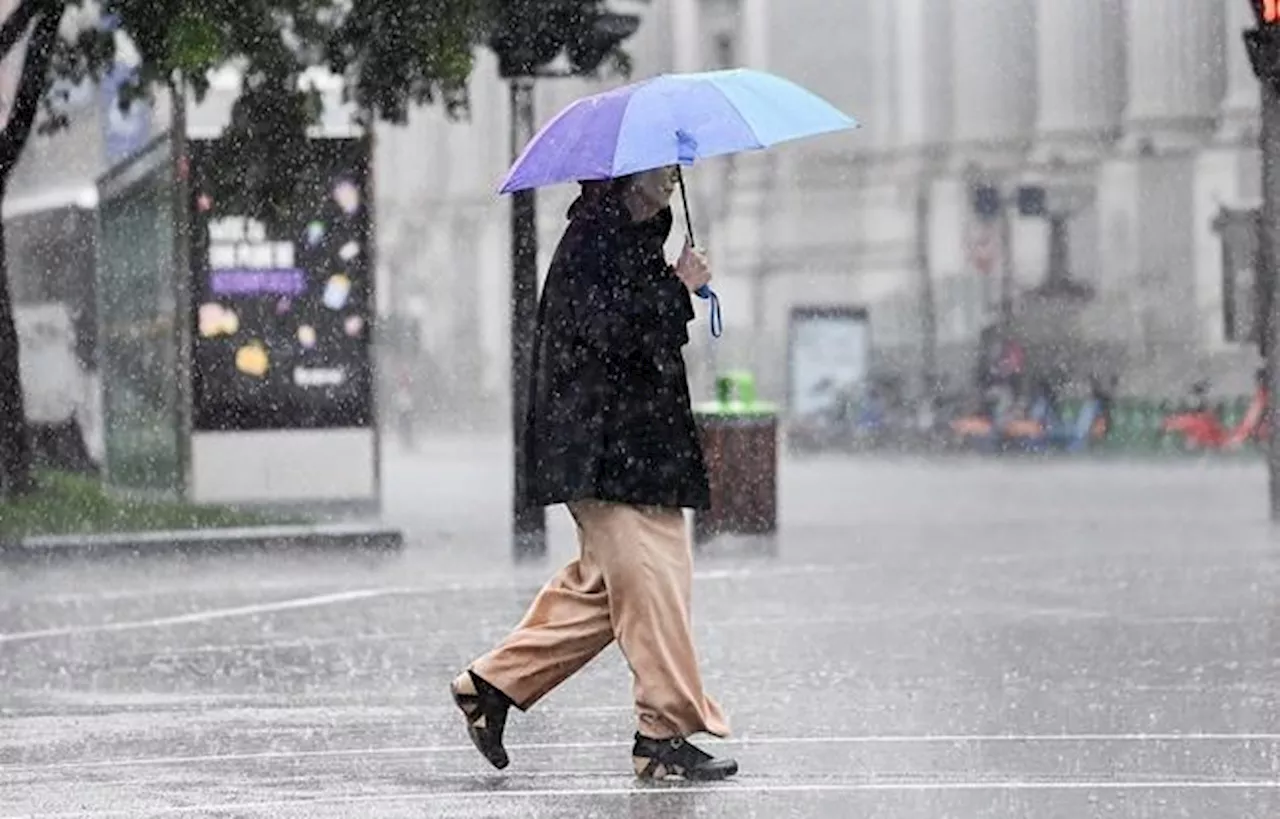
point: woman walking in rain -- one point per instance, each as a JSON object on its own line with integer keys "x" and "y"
{"x": 610, "y": 432}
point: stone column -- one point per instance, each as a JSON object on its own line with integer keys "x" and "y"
{"x": 1176, "y": 65}
{"x": 755, "y": 34}
{"x": 881, "y": 128}
{"x": 686, "y": 33}
{"x": 1240, "y": 104}
{"x": 1080, "y": 81}
{"x": 922, "y": 65}
{"x": 994, "y": 71}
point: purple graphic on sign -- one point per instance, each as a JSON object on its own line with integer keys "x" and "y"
{"x": 288, "y": 282}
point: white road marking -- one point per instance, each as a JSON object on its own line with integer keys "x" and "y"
{"x": 177, "y": 589}
{"x": 462, "y": 585}
{"x": 725, "y": 789}
{"x": 204, "y": 616}
{"x": 422, "y": 750}
{"x": 471, "y": 585}
{"x": 445, "y": 582}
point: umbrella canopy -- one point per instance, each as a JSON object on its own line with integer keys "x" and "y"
{"x": 673, "y": 119}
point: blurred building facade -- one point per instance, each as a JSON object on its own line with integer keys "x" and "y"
{"x": 1139, "y": 116}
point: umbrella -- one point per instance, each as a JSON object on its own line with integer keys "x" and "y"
{"x": 673, "y": 119}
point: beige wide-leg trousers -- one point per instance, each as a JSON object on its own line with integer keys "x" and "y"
{"x": 631, "y": 582}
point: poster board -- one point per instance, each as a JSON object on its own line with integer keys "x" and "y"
{"x": 280, "y": 319}
{"x": 828, "y": 352}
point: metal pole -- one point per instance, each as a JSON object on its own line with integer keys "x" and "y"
{"x": 928, "y": 301}
{"x": 182, "y": 286}
{"x": 1269, "y": 244}
{"x": 1006, "y": 265}
{"x": 529, "y": 526}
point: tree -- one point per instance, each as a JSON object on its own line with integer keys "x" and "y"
{"x": 394, "y": 54}
{"x": 15, "y": 445}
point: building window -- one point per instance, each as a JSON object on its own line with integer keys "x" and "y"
{"x": 726, "y": 48}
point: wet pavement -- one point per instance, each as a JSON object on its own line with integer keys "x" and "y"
{"x": 959, "y": 639}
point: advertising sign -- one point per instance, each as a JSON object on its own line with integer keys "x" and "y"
{"x": 282, "y": 304}
{"x": 830, "y": 350}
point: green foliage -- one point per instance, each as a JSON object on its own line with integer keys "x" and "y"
{"x": 394, "y": 54}
{"x": 407, "y": 52}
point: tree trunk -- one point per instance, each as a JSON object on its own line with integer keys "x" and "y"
{"x": 15, "y": 442}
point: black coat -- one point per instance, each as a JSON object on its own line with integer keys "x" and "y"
{"x": 609, "y": 416}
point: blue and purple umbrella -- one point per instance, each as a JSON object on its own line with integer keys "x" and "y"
{"x": 673, "y": 119}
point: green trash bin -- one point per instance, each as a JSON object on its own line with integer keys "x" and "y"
{"x": 739, "y": 436}
{"x": 1126, "y": 424}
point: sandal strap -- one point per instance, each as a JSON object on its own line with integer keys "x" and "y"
{"x": 486, "y": 701}
{"x": 470, "y": 705}
{"x": 652, "y": 768}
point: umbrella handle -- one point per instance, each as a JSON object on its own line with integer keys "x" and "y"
{"x": 703, "y": 292}
{"x": 717, "y": 320}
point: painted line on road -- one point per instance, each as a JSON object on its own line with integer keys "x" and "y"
{"x": 506, "y": 584}
{"x": 180, "y": 589}
{"x": 421, "y": 750}
{"x": 454, "y": 582}
{"x": 727, "y": 789}
{"x": 204, "y": 616}
{"x": 240, "y": 704}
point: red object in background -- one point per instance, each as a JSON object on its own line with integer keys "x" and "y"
{"x": 1203, "y": 430}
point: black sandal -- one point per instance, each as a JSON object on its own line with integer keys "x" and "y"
{"x": 485, "y": 709}
{"x": 664, "y": 758}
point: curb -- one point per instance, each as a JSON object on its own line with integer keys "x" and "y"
{"x": 340, "y": 537}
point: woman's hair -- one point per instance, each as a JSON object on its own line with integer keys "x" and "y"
{"x": 593, "y": 190}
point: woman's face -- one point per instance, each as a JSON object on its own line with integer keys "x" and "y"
{"x": 656, "y": 186}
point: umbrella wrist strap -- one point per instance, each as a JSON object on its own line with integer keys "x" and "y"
{"x": 717, "y": 319}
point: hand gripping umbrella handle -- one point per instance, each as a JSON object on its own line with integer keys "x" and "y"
{"x": 703, "y": 292}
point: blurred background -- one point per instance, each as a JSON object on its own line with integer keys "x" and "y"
{"x": 1075, "y": 177}
{"x": 1043, "y": 239}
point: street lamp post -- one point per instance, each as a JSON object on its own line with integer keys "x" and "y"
{"x": 527, "y": 37}
{"x": 529, "y": 524}
{"x": 1263, "y": 44}
{"x": 929, "y": 382}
